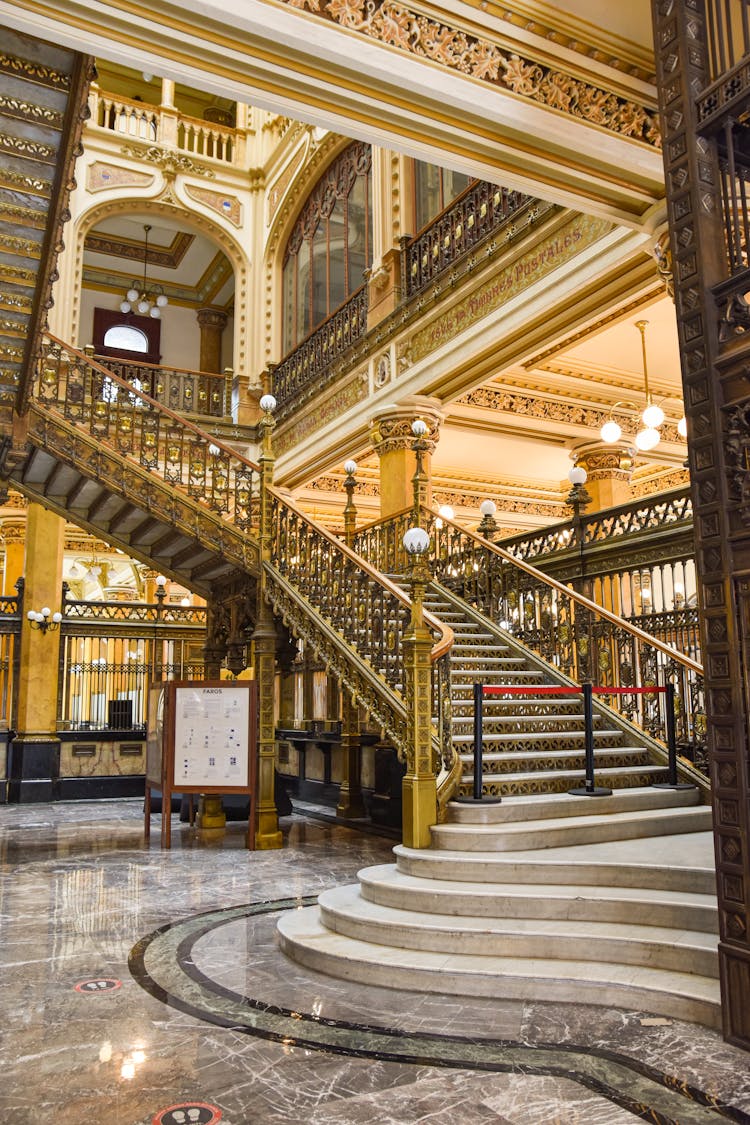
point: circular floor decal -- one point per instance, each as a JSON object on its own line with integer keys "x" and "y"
{"x": 98, "y": 984}
{"x": 188, "y": 1113}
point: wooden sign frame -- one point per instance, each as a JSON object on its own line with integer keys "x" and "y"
{"x": 202, "y": 738}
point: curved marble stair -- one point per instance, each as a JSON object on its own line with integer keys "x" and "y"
{"x": 603, "y": 901}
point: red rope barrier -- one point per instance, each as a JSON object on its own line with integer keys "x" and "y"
{"x": 488, "y": 689}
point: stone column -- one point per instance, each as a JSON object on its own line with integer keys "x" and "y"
{"x": 212, "y": 324}
{"x": 609, "y": 469}
{"x": 384, "y": 279}
{"x": 35, "y": 755}
{"x": 392, "y": 439}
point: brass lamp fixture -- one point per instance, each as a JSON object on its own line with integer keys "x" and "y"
{"x": 44, "y": 619}
{"x": 143, "y": 297}
{"x": 652, "y": 416}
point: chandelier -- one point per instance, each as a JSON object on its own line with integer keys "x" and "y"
{"x": 148, "y": 300}
{"x": 652, "y": 416}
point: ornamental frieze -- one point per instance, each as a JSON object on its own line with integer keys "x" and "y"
{"x": 324, "y": 412}
{"x": 552, "y": 252}
{"x": 408, "y": 30}
{"x": 170, "y": 162}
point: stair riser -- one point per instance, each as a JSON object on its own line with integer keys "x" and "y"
{"x": 464, "y": 839}
{"x": 523, "y": 762}
{"x": 468, "y": 869}
{"x": 515, "y": 811}
{"x": 616, "y": 911}
{"x": 505, "y": 786}
{"x": 654, "y": 955}
{"x": 388, "y": 974}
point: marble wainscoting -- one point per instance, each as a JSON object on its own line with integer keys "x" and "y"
{"x": 145, "y": 987}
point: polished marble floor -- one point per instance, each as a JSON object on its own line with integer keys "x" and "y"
{"x": 142, "y": 986}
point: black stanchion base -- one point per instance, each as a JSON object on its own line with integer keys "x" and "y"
{"x": 672, "y": 785}
{"x": 477, "y": 800}
{"x": 597, "y": 791}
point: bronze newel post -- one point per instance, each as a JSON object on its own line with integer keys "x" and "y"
{"x": 350, "y": 803}
{"x": 268, "y": 834}
{"x": 419, "y": 787}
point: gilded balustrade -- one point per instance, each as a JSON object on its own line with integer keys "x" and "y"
{"x": 112, "y": 411}
{"x": 140, "y": 121}
{"x": 178, "y": 388}
{"x": 362, "y": 612}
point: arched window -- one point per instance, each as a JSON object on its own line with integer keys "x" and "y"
{"x": 434, "y": 189}
{"x": 126, "y": 337}
{"x": 330, "y": 247}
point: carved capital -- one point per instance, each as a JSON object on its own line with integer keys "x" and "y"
{"x": 391, "y": 427}
{"x": 211, "y": 318}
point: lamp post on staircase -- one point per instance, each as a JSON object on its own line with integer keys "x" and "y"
{"x": 268, "y": 834}
{"x": 419, "y": 786}
{"x": 350, "y": 803}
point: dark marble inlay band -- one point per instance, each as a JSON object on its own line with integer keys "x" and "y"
{"x": 162, "y": 963}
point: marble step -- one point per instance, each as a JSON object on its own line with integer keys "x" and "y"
{"x": 526, "y": 722}
{"x": 576, "y": 900}
{"x": 545, "y": 806}
{"x": 613, "y": 865}
{"x": 500, "y": 763}
{"x": 561, "y": 780}
{"x": 563, "y": 831}
{"x": 546, "y": 735}
{"x": 623, "y": 941}
{"x": 662, "y": 992}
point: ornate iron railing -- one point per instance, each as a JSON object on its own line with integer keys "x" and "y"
{"x": 585, "y": 641}
{"x": 179, "y": 389}
{"x": 305, "y": 370}
{"x": 152, "y": 435}
{"x": 672, "y": 509}
{"x": 134, "y": 613}
{"x": 358, "y": 611}
{"x": 483, "y": 209}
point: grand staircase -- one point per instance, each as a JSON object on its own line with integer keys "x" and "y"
{"x": 608, "y": 900}
{"x": 603, "y": 900}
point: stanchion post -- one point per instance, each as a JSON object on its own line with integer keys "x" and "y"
{"x": 590, "y": 789}
{"x": 671, "y": 782}
{"x": 478, "y": 767}
{"x": 478, "y": 696}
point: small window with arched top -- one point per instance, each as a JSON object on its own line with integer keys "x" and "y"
{"x": 126, "y": 337}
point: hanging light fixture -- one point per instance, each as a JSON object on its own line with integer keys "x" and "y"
{"x": 148, "y": 300}
{"x": 652, "y": 416}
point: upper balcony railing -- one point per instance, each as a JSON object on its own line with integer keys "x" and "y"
{"x": 153, "y": 125}
{"x": 300, "y": 375}
{"x": 482, "y": 210}
{"x": 186, "y": 392}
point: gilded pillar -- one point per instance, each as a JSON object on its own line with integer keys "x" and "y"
{"x": 35, "y": 755}
{"x": 350, "y": 803}
{"x": 212, "y": 323}
{"x": 419, "y": 786}
{"x": 393, "y": 440}
{"x": 384, "y": 279}
{"x": 268, "y": 834}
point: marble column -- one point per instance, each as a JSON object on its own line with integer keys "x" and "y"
{"x": 35, "y": 755}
